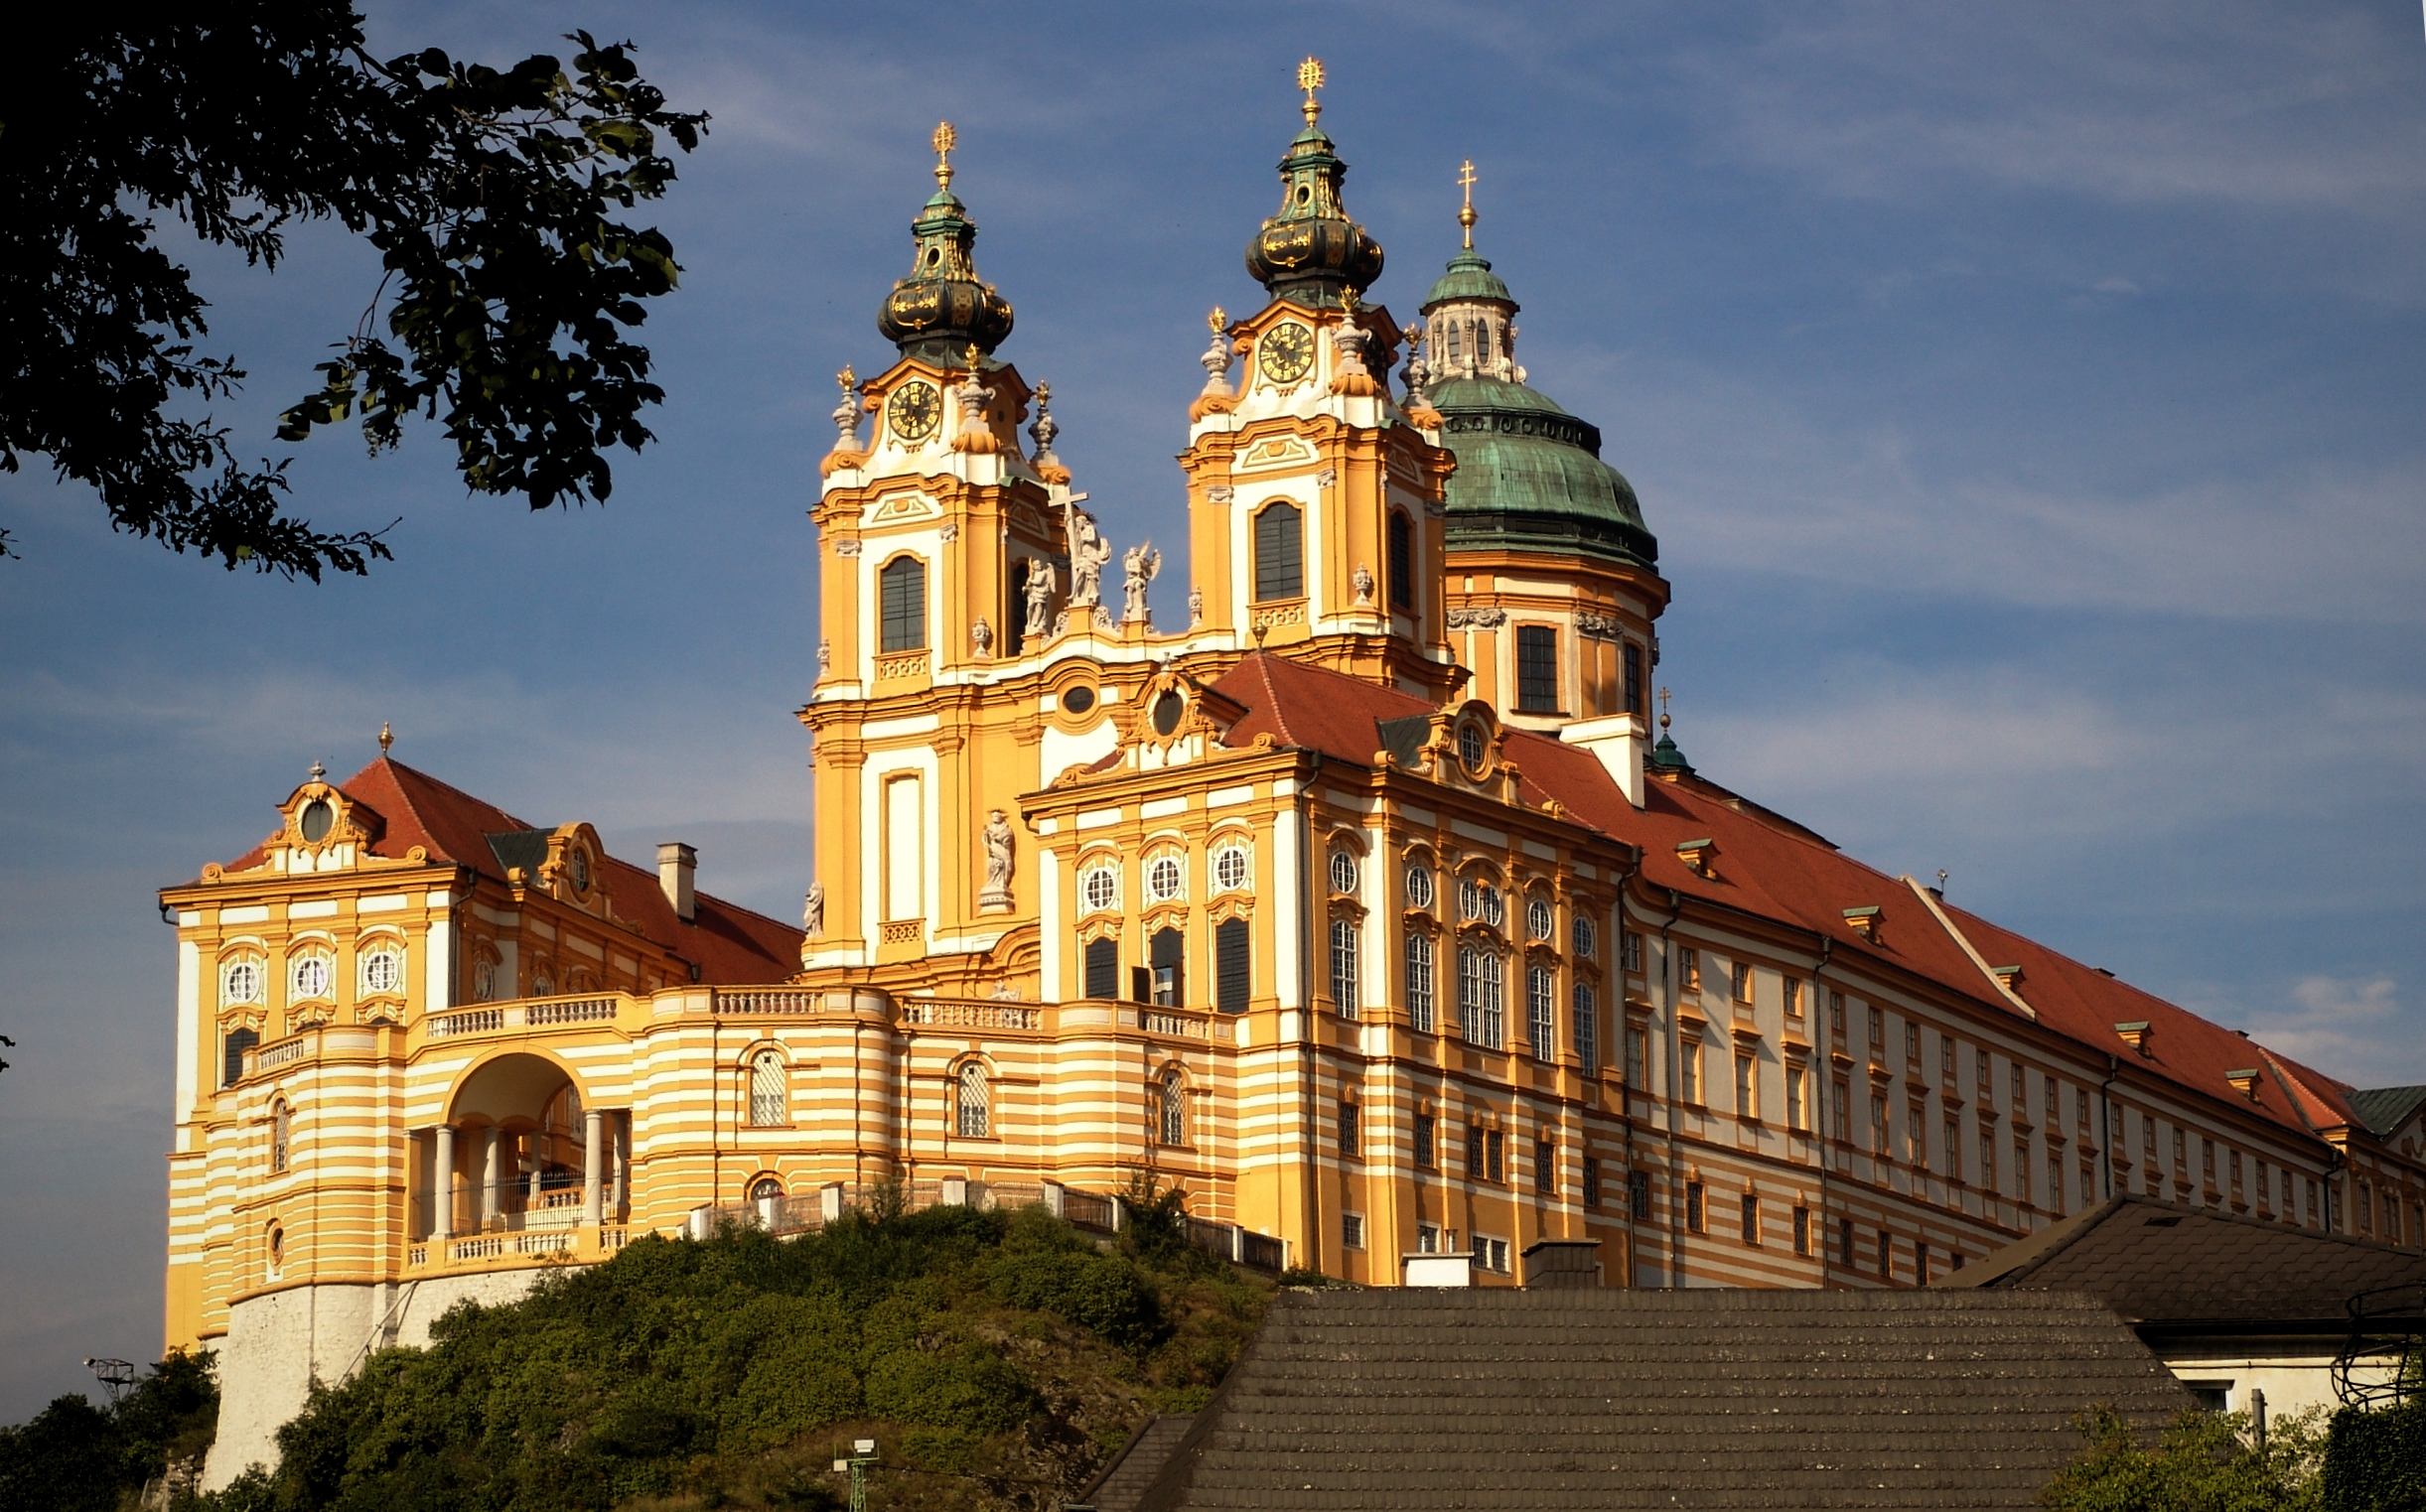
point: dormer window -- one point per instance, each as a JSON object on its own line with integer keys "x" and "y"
{"x": 1470, "y": 746}
{"x": 577, "y": 866}
{"x": 317, "y": 817}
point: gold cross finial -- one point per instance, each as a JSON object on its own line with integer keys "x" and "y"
{"x": 945, "y": 139}
{"x": 1310, "y": 78}
{"x": 1466, "y": 215}
{"x": 1664, "y": 710}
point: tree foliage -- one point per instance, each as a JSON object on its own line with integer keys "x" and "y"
{"x": 2203, "y": 1463}
{"x": 995, "y": 1356}
{"x": 73, "y": 1456}
{"x": 2376, "y": 1462}
{"x": 496, "y": 198}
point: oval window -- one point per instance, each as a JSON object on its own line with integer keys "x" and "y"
{"x": 1419, "y": 885}
{"x": 1167, "y": 711}
{"x": 1078, "y": 700}
{"x": 317, "y": 820}
{"x": 1470, "y": 747}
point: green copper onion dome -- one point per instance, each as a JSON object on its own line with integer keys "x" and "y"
{"x": 1529, "y": 475}
{"x": 1311, "y": 250}
{"x": 943, "y": 308}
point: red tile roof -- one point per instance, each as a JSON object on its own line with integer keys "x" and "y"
{"x": 1765, "y": 864}
{"x": 729, "y": 943}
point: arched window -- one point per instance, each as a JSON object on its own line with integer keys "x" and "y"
{"x": 901, "y": 597}
{"x": 974, "y": 1111}
{"x": 281, "y": 1129}
{"x": 277, "y": 1248}
{"x": 1401, "y": 561}
{"x": 1540, "y": 1000}
{"x": 1344, "y": 992}
{"x": 768, "y": 1107}
{"x": 1482, "y": 996}
{"x": 237, "y": 1043}
{"x": 766, "y": 1189}
{"x": 1280, "y": 552}
{"x": 1173, "y": 1104}
{"x": 1419, "y": 981}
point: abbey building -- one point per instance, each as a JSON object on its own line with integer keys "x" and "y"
{"x": 1362, "y": 906}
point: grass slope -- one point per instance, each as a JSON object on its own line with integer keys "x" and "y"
{"x": 997, "y": 1360}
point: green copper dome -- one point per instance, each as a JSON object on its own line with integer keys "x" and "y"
{"x": 1311, "y": 250}
{"x": 1469, "y": 277}
{"x": 943, "y": 308}
{"x": 1529, "y": 477}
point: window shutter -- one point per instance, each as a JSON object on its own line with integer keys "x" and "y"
{"x": 1232, "y": 980}
{"x": 1104, "y": 967}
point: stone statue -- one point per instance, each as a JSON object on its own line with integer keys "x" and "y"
{"x": 1139, "y": 567}
{"x": 1362, "y": 580}
{"x": 981, "y": 637}
{"x": 1040, "y": 598}
{"x": 825, "y": 657}
{"x": 995, "y": 895}
{"x": 1089, "y": 551}
{"x": 813, "y": 910}
{"x": 1196, "y": 608}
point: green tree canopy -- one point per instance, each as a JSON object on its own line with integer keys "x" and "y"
{"x": 495, "y": 200}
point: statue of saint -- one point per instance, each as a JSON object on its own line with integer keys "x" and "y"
{"x": 1139, "y": 568}
{"x": 1089, "y": 551}
{"x": 813, "y": 910}
{"x": 995, "y": 895}
{"x": 1040, "y": 598}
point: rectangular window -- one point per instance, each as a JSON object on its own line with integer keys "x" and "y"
{"x": 1953, "y": 1150}
{"x": 1751, "y": 1219}
{"x": 1232, "y": 981}
{"x": 1352, "y": 1132}
{"x": 1794, "y": 1099}
{"x": 1480, "y": 989}
{"x": 2232, "y": 1167}
{"x": 1419, "y": 981}
{"x": 1694, "y": 1206}
{"x": 1747, "y": 1103}
{"x": 1166, "y": 952}
{"x": 1803, "y": 1231}
{"x": 1878, "y": 1033}
{"x": 1887, "y": 1256}
{"x": 1592, "y": 1182}
{"x": 1843, "y": 1119}
{"x": 2054, "y": 1181}
{"x": 1741, "y": 981}
{"x": 1836, "y": 1014}
{"x": 2089, "y": 1184}
{"x": 2055, "y": 1103}
{"x": 1426, "y": 1147}
{"x": 1587, "y": 1008}
{"x": 1351, "y": 1231}
{"x": 2021, "y": 1172}
{"x": 1638, "y": 1056}
{"x": 1987, "y": 1156}
{"x": 1280, "y": 562}
{"x": 1791, "y": 987}
{"x": 2206, "y": 1163}
{"x": 1402, "y": 562}
{"x": 1546, "y": 1169}
{"x": 1632, "y": 659}
{"x": 1689, "y": 1072}
{"x": 770, "y": 1108}
{"x": 2020, "y": 1086}
{"x": 2180, "y": 1156}
{"x": 1945, "y": 1062}
{"x": 1638, "y": 1194}
{"x": 1921, "y": 1264}
{"x": 1688, "y": 969}
{"x": 1536, "y": 669}
{"x": 2148, "y": 1136}
{"x": 1985, "y": 1083}
{"x": 901, "y": 596}
{"x": 1915, "y": 1133}
{"x": 1878, "y": 1124}
{"x": 1540, "y": 1008}
{"x": 1343, "y": 966}
{"x": 1474, "y": 1152}
{"x": 1492, "y": 1254}
{"x": 1911, "y": 1043}
{"x": 1634, "y": 950}
{"x": 1104, "y": 967}
{"x": 1494, "y": 1152}
{"x": 1427, "y": 1239}
{"x": 1844, "y": 1242}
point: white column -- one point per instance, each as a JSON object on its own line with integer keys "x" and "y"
{"x": 484, "y": 1206}
{"x": 442, "y": 1194}
{"x": 593, "y": 1163}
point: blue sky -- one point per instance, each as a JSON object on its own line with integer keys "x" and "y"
{"x": 2028, "y": 401}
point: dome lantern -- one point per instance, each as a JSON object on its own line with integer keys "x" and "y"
{"x": 944, "y": 306}
{"x": 1311, "y": 251}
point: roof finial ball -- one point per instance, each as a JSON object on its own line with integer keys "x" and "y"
{"x": 1310, "y": 78}
{"x": 1465, "y": 216}
{"x": 388, "y": 736}
{"x": 1663, "y": 711}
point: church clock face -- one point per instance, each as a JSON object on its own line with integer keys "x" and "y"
{"x": 913, "y": 410}
{"x": 1287, "y": 352}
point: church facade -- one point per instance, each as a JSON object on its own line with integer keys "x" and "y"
{"x": 1365, "y": 906}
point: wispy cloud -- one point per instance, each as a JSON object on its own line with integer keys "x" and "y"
{"x": 2346, "y": 1026}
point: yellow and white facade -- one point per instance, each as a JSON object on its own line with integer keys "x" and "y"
{"x": 1360, "y": 906}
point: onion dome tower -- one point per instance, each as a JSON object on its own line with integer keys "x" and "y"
{"x": 943, "y": 308}
{"x": 1311, "y": 250}
{"x": 1552, "y": 574}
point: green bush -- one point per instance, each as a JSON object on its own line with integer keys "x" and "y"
{"x": 2376, "y": 1462}
{"x": 73, "y": 1456}
{"x": 2201, "y": 1462}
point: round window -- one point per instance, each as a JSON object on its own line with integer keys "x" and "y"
{"x": 484, "y": 981}
{"x": 1343, "y": 872}
{"x": 1163, "y": 877}
{"x": 578, "y": 861}
{"x": 1537, "y": 921}
{"x": 317, "y": 819}
{"x": 1470, "y": 747}
{"x": 1099, "y": 890}
{"x": 1230, "y": 868}
{"x": 1078, "y": 700}
{"x": 383, "y": 970}
{"x": 1167, "y": 711}
{"x": 312, "y": 977}
{"x": 1419, "y": 885}
{"x": 240, "y": 981}
{"x": 1587, "y": 938}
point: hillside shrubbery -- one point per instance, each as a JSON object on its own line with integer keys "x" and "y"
{"x": 996, "y": 1357}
